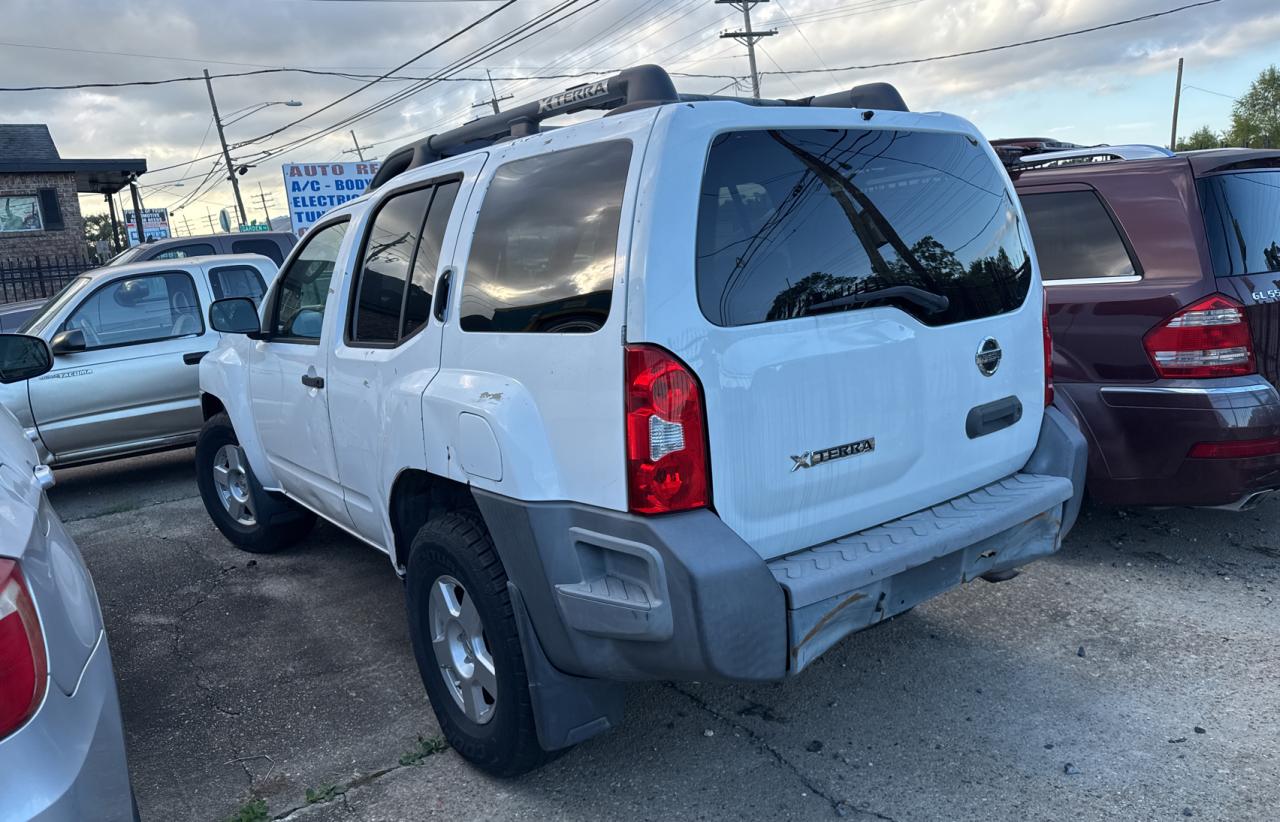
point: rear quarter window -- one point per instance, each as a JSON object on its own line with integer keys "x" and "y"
{"x": 1242, "y": 221}
{"x": 542, "y": 255}
{"x": 1075, "y": 237}
{"x": 791, "y": 221}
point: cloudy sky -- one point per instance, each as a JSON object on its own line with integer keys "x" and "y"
{"x": 1113, "y": 85}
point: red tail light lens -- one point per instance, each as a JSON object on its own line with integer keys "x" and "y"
{"x": 666, "y": 439}
{"x": 1048, "y": 357}
{"x": 1236, "y": 449}
{"x": 23, "y": 666}
{"x": 1209, "y": 338}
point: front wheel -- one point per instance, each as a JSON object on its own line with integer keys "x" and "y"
{"x": 245, "y": 513}
{"x": 467, "y": 646}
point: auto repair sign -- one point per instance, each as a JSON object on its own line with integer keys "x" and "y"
{"x": 313, "y": 189}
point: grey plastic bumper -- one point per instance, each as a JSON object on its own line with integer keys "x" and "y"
{"x": 612, "y": 596}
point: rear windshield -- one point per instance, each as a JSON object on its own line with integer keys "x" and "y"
{"x": 1242, "y": 219}
{"x": 800, "y": 222}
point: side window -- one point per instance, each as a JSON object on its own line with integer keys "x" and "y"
{"x": 304, "y": 286}
{"x": 1075, "y": 237}
{"x": 417, "y": 304}
{"x": 542, "y": 257}
{"x": 267, "y": 248}
{"x": 398, "y": 268}
{"x": 180, "y": 251}
{"x": 237, "y": 281}
{"x": 139, "y": 309}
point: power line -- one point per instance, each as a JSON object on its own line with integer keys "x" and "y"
{"x": 501, "y": 43}
{"x": 484, "y": 17}
{"x": 990, "y": 49}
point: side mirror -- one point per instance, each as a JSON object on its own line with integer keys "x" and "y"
{"x": 67, "y": 342}
{"x": 23, "y": 357}
{"x": 306, "y": 323}
{"x": 234, "y": 315}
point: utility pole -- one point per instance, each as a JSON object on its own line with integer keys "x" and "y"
{"x": 359, "y": 152}
{"x": 1177, "y": 98}
{"x": 213, "y": 227}
{"x": 115, "y": 226}
{"x": 749, "y": 36}
{"x": 186, "y": 225}
{"x": 226, "y": 153}
{"x": 263, "y": 197}
{"x": 137, "y": 209}
{"x": 493, "y": 101}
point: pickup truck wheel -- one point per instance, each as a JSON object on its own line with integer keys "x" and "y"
{"x": 245, "y": 513}
{"x": 467, "y": 646}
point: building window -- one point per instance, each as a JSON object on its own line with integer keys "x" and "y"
{"x": 20, "y": 212}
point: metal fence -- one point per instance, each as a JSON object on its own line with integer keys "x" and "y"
{"x": 30, "y": 279}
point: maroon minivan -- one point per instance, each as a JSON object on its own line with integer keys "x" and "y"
{"x": 1163, "y": 279}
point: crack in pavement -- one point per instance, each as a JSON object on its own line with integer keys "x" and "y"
{"x": 112, "y": 511}
{"x": 357, "y": 782}
{"x": 840, "y": 806}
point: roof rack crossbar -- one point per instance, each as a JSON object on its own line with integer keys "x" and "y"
{"x": 1124, "y": 152}
{"x": 882, "y": 96}
{"x": 634, "y": 88}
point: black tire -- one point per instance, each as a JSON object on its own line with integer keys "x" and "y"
{"x": 458, "y": 545}
{"x": 279, "y": 522}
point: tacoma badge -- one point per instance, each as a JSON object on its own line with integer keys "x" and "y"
{"x": 850, "y": 449}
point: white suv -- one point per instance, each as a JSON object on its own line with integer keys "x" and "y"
{"x": 690, "y": 391}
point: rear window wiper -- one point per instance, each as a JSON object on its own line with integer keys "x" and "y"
{"x": 932, "y": 303}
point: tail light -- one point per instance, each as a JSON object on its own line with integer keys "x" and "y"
{"x": 23, "y": 666}
{"x": 1235, "y": 449}
{"x": 666, "y": 434}
{"x": 1048, "y": 357}
{"x": 1209, "y": 338}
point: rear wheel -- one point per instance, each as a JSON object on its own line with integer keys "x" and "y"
{"x": 252, "y": 518}
{"x": 467, "y": 646}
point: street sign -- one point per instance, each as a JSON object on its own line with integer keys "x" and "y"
{"x": 314, "y": 188}
{"x": 255, "y": 227}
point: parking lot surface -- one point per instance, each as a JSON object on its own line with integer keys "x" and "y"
{"x": 1132, "y": 676}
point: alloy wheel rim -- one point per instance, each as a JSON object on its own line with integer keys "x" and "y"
{"x": 462, "y": 650}
{"x": 231, "y": 480}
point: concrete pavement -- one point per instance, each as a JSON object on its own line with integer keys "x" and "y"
{"x": 1134, "y": 676}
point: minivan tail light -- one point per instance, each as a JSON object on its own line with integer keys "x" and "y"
{"x": 23, "y": 666}
{"x": 666, "y": 434}
{"x": 1048, "y": 356}
{"x": 1209, "y": 338}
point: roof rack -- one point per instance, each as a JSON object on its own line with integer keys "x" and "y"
{"x": 634, "y": 88}
{"x": 1076, "y": 155}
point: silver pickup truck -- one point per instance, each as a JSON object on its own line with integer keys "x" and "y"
{"x": 127, "y": 341}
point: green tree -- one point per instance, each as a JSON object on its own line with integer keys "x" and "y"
{"x": 1255, "y": 117}
{"x": 1203, "y": 137}
{"x": 98, "y": 227}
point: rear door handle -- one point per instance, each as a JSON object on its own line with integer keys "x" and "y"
{"x": 312, "y": 382}
{"x": 194, "y": 357}
{"x": 442, "y": 295}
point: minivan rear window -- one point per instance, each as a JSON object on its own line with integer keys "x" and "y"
{"x": 1242, "y": 220}
{"x": 806, "y": 221}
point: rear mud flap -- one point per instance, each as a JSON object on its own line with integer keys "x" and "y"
{"x": 567, "y": 709}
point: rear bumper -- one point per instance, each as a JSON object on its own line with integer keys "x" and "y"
{"x": 68, "y": 762}
{"x": 1140, "y": 435}
{"x": 614, "y": 596}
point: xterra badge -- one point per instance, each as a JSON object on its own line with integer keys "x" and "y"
{"x": 850, "y": 449}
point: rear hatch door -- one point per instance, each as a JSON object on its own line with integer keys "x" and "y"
{"x": 862, "y": 297}
{"x": 1242, "y": 224}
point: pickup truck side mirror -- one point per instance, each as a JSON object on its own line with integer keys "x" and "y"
{"x": 68, "y": 341}
{"x": 23, "y": 357}
{"x": 235, "y": 315}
